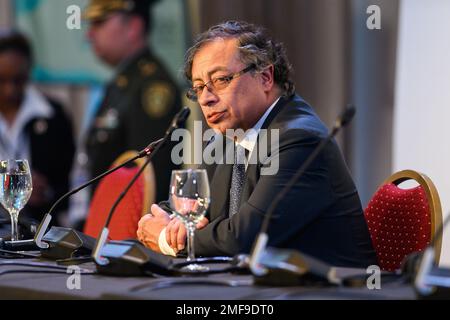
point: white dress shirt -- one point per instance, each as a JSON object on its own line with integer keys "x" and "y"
{"x": 14, "y": 141}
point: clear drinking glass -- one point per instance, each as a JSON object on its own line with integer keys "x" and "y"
{"x": 189, "y": 199}
{"x": 15, "y": 189}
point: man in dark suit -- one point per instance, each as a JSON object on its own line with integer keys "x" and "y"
{"x": 241, "y": 79}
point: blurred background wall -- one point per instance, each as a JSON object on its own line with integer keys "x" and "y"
{"x": 396, "y": 76}
{"x": 422, "y": 97}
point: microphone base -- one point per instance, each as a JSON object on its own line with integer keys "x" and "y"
{"x": 130, "y": 259}
{"x": 21, "y": 245}
{"x": 291, "y": 268}
{"x": 284, "y": 278}
{"x": 65, "y": 243}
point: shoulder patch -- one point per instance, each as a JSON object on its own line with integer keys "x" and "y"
{"x": 158, "y": 98}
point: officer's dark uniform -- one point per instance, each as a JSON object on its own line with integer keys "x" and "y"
{"x": 138, "y": 107}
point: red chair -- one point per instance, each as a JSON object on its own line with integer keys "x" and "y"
{"x": 136, "y": 203}
{"x": 402, "y": 221}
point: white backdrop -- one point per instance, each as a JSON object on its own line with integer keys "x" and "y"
{"x": 422, "y": 97}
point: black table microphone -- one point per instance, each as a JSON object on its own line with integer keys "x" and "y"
{"x": 131, "y": 257}
{"x": 63, "y": 243}
{"x": 48, "y": 217}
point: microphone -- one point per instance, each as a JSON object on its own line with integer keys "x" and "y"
{"x": 48, "y": 217}
{"x": 178, "y": 121}
{"x": 297, "y": 263}
{"x": 63, "y": 242}
{"x": 129, "y": 257}
{"x": 58, "y": 232}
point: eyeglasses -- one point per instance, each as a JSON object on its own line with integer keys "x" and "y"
{"x": 217, "y": 84}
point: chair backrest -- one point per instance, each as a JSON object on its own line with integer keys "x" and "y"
{"x": 136, "y": 203}
{"x": 402, "y": 221}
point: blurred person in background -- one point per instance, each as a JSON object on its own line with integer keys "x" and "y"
{"x": 33, "y": 127}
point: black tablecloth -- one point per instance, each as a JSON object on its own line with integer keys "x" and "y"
{"x": 24, "y": 285}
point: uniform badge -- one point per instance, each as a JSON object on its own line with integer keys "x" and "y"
{"x": 157, "y": 99}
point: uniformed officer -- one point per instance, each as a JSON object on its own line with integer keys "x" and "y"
{"x": 141, "y": 99}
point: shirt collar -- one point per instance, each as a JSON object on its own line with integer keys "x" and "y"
{"x": 34, "y": 105}
{"x": 251, "y": 136}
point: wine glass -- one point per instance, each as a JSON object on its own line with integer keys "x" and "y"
{"x": 189, "y": 199}
{"x": 15, "y": 189}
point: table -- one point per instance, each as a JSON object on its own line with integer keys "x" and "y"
{"x": 24, "y": 285}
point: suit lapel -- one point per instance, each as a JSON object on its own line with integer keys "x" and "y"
{"x": 221, "y": 182}
{"x": 252, "y": 173}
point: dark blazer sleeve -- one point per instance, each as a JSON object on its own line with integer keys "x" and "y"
{"x": 310, "y": 195}
{"x": 52, "y": 155}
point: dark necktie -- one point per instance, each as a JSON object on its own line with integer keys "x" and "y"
{"x": 237, "y": 179}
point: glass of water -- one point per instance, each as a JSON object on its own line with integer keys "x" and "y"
{"x": 189, "y": 199}
{"x": 15, "y": 189}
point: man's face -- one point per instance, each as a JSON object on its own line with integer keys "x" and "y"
{"x": 242, "y": 102}
{"x": 109, "y": 38}
{"x": 14, "y": 70}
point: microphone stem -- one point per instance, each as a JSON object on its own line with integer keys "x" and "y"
{"x": 68, "y": 194}
{"x": 263, "y": 237}
{"x": 180, "y": 118}
{"x": 102, "y": 238}
{"x": 132, "y": 181}
{"x": 45, "y": 222}
{"x": 294, "y": 179}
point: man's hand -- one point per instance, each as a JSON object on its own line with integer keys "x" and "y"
{"x": 151, "y": 225}
{"x": 176, "y": 233}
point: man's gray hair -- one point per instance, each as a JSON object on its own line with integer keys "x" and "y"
{"x": 255, "y": 47}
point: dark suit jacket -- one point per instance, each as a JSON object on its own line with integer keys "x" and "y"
{"x": 52, "y": 152}
{"x": 321, "y": 215}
